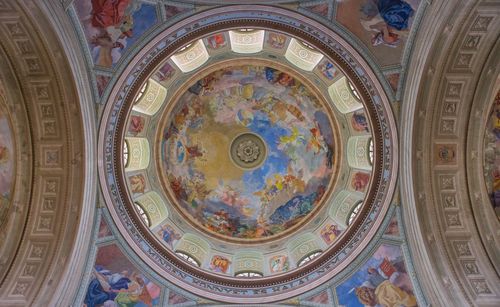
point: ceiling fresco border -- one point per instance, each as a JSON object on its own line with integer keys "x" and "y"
{"x": 108, "y": 138}
{"x": 449, "y": 253}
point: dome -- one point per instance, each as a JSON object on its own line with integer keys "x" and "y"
{"x": 248, "y": 151}
{"x": 270, "y": 153}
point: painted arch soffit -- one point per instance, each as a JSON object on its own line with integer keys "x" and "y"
{"x": 132, "y": 227}
{"x": 50, "y": 151}
{"x": 448, "y": 210}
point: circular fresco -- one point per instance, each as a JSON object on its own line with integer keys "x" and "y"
{"x": 248, "y": 152}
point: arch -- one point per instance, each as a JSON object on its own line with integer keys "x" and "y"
{"x": 154, "y": 207}
{"x": 138, "y": 153}
{"x": 343, "y": 97}
{"x": 151, "y": 99}
{"x": 188, "y": 258}
{"x": 302, "y": 246}
{"x": 192, "y": 57}
{"x": 56, "y": 128}
{"x": 342, "y": 205}
{"x": 354, "y": 212}
{"x": 248, "y": 262}
{"x": 247, "y": 41}
{"x": 143, "y": 214}
{"x": 249, "y": 274}
{"x": 302, "y": 56}
{"x": 358, "y": 152}
{"x": 195, "y": 247}
{"x": 308, "y": 258}
{"x": 440, "y": 194}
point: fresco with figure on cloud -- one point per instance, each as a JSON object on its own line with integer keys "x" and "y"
{"x": 383, "y": 25}
{"x": 381, "y": 281}
{"x": 169, "y": 235}
{"x": 7, "y": 163}
{"x": 136, "y": 125}
{"x": 330, "y": 232}
{"x": 248, "y": 203}
{"x": 219, "y": 264}
{"x": 115, "y": 281}
{"x": 112, "y": 26}
{"x": 137, "y": 183}
{"x": 278, "y": 264}
{"x": 492, "y": 155}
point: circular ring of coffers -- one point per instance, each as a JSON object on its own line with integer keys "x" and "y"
{"x": 333, "y": 260}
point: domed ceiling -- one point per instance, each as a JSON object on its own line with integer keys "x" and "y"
{"x": 249, "y": 152}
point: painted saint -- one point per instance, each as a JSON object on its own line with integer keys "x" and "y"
{"x": 386, "y": 19}
{"x": 360, "y": 181}
{"x": 329, "y": 233}
{"x": 278, "y": 264}
{"x": 216, "y": 41}
{"x": 219, "y": 264}
{"x": 136, "y": 124}
{"x": 112, "y": 25}
{"x": 137, "y": 183}
{"x": 169, "y": 235}
{"x": 382, "y": 281}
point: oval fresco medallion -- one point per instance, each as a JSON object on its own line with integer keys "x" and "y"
{"x": 248, "y": 152}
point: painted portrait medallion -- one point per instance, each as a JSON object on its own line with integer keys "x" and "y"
{"x": 248, "y": 152}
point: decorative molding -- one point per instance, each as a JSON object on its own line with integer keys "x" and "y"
{"x": 38, "y": 72}
{"x": 451, "y": 260}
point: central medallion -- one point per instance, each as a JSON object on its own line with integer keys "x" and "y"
{"x": 248, "y": 151}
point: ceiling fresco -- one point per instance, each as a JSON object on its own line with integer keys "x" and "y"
{"x": 492, "y": 155}
{"x": 222, "y": 126}
{"x": 383, "y": 280}
{"x": 115, "y": 281}
{"x": 111, "y": 27}
{"x": 382, "y": 25}
{"x": 7, "y": 161}
{"x": 253, "y": 153}
{"x": 249, "y": 153}
{"x": 382, "y": 277}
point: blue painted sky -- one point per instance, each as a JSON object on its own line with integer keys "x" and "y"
{"x": 356, "y": 280}
{"x": 276, "y": 162}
